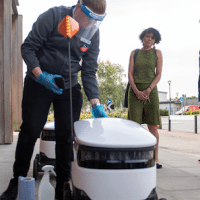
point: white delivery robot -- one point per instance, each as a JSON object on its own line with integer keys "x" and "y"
{"x": 114, "y": 159}
{"x": 46, "y": 155}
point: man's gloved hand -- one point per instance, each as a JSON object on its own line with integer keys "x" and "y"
{"x": 98, "y": 112}
{"x": 48, "y": 80}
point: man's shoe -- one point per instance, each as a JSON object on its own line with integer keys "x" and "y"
{"x": 158, "y": 166}
{"x": 63, "y": 193}
{"x": 11, "y": 192}
{"x": 67, "y": 192}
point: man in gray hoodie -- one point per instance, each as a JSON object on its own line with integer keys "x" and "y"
{"x": 45, "y": 52}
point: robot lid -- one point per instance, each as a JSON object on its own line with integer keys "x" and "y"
{"x": 49, "y": 126}
{"x": 112, "y": 133}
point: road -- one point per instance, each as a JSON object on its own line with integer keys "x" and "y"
{"x": 181, "y": 122}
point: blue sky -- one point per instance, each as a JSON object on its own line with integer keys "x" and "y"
{"x": 177, "y": 21}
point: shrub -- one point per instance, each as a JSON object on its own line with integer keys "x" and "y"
{"x": 186, "y": 113}
{"x": 117, "y": 114}
{"x": 196, "y": 112}
{"x": 164, "y": 112}
{"x": 86, "y": 116}
{"x": 50, "y": 118}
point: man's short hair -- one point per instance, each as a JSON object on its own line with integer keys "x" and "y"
{"x": 97, "y": 6}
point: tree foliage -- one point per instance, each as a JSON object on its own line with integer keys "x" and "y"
{"x": 110, "y": 83}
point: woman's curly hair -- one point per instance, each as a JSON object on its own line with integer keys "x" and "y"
{"x": 155, "y": 33}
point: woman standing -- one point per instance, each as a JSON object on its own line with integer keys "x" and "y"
{"x": 144, "y": 74}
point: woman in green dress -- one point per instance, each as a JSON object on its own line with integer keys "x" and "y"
{"x": 144, "y": 74}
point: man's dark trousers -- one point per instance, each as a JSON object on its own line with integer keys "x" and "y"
{"x": 35, "y": 108}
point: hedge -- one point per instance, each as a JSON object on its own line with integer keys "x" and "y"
{"x": 164, "y": 112}
{"x": 196, "y": 112}
{"x": 84, "y": 115}
{"x": 50, "y": 118}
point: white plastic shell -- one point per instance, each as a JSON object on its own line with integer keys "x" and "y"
{"x": 114, "y": 184}
{"x": 112, "y": 133}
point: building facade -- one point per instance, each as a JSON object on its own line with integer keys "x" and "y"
{"x": 176, "y": 105}
{"x": 172, "y": 106}
{"x": 162, "y": 96}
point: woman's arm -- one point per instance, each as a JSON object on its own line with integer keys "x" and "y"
{"x": 199, "y": 90}
{"x": 140, "y": 95}
{"x": 158, "y": 69}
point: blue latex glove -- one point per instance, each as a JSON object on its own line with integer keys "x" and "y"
{"x": 99, "y": 112}
{"x": 48, "y": 80}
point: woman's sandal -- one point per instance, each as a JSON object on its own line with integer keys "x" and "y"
{"x": 158, "y": 166}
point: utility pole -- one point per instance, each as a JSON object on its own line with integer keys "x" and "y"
{"x": 169, "y": 82}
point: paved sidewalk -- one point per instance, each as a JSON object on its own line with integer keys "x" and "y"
{"x": 179, "y": 152}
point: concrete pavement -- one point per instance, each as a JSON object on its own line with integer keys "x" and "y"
{"x": 179, "y": 152}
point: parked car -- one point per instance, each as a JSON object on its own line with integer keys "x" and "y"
{"x": 186, "y": 109}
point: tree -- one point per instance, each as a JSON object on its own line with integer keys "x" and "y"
{"x": 110, "y": 83}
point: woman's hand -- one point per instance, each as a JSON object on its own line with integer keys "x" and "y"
{"x": 146, "y": 93}
{"x": 141, "y": 96}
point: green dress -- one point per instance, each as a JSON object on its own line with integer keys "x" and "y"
{"x": 144, "y": 74}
